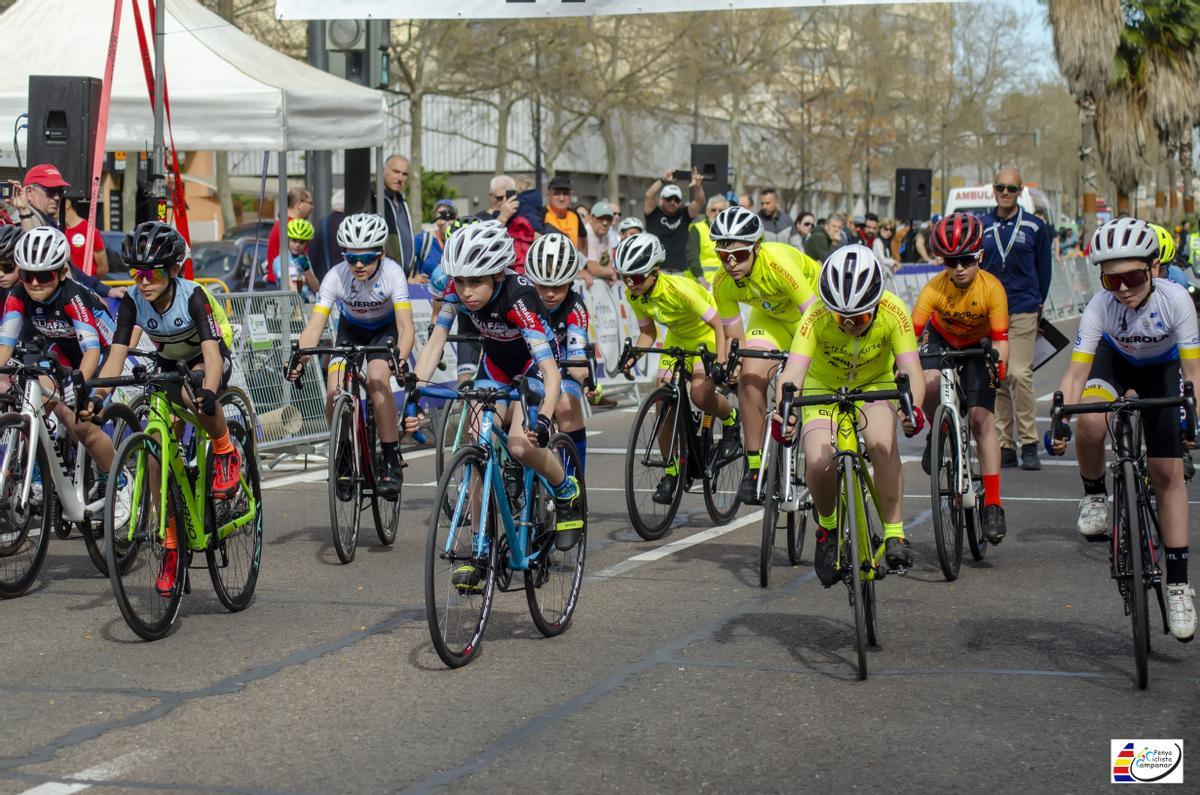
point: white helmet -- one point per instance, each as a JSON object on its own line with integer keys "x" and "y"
{"x": 631, "y": 222}
{"x": 736, "y": 223}
{"x": 851, "y": 281}
{"x": 362, "y": 230}
{"x": 1123, "y": 238}
{"x": 43, "y": 248}
{"x": 478, "y": 250}
{"x": 552, "y": 260}
{"x": 638, "y": 254}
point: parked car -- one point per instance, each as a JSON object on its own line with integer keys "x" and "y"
{"x": 247, "y": 230}
{"x": 231, "y": 261}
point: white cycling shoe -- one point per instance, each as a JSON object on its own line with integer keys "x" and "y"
{"x": 122, "y": 502}
{"x": 1094, "y": 520}
{"x": 1181, "y": 613}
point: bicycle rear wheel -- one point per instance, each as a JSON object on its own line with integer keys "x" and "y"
{"x": 766, "y": 549}
{"x": 237, "y": 523}
{"x": 947, "y": 501}
{"x": 797, "y": 521}
{"x": 147, "y": 612}
{"x": 848, "y": 527}
{"x": 721, "y": 481}
{"x": 457, "y": 614}
{"x": 24, "y": 528}
{"x": 553, "y": 579}
{"x": 645, "y": 464}
{"x": 345, "y": 480}
{"x": 385, "y": 511}
{"x": 1129, "y": 548}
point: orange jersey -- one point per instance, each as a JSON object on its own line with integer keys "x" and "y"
{"x": 963, "y": 316}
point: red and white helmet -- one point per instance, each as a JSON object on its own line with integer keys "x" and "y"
{"x": 957, "y": 235}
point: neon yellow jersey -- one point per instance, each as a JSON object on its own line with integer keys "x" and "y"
{"x": 839, "y": 359}
{"x": 679, "y": 304}
{"x": 782, "y": 283}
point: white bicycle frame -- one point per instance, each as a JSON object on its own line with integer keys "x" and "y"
{"x": 789, "y": 499}
{"x": 949, "y": 398}
{"x": 69, "y": 492}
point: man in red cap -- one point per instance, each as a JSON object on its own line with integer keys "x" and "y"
{"x": 38, "y": 201}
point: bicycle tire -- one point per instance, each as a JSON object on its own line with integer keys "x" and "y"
{"x": 1130, "y": 538}
{"x": 385, "y": 511}
{"x": 945, "y": 499}
{"x": 797, "y": 521}
{"x": 874, "y": 532}
{"x": 457, "y": 618}
{"x": 766, "y": 550}
{"x": 553, "y": 581}
{"x": 345, "y": 480}
{"x": 973, "y": 522}
{"x": 124, "y": 422}
{"x": 653, "y": 526}
{"x": 145, "y": 611}
{"x": 235, "y": 560}
{"x": 848, "y": 527}
{"x": 24, "y": 536}
{"x": 721, "y": 481}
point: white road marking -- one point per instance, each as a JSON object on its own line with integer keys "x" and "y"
{"x": 102, "y": 772}
{"x": 681, "y": 544}
{"x": 321, "y": 474}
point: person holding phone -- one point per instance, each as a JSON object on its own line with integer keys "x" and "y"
{"x": 503, "y": 207}
{"x": 429, "y": 245}
{"x": 668, "y": 217}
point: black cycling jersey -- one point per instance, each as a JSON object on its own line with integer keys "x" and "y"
{"x": 75, "y": 320}
{"x": 570, "y": 323}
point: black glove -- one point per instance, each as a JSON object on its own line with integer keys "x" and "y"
{"x": 95, "y": 405}
{"x": 543, "y": 430}
{"x": 716, "y": 372}
{"x": 206, "y": 401}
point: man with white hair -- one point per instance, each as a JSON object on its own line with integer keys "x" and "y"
{"x": 503, "y": 206}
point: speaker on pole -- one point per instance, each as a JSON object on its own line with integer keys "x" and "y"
{"x": 62, "y": 126}
{"x": 713, "y": 162}
{"x": 913, "y": 193}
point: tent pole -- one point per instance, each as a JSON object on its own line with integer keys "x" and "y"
{"x": 281, "y": 211}
{"x": 159, "y": 171}
{"x": 379, "y": 198}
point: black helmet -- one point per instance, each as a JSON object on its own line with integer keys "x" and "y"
{"x": 153, "y": 245}
{"x": 8, "y": 242}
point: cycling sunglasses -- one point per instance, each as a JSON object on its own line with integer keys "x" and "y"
{"x": 145, "y": 274}
{"x": 1001, "y": 188}
{"x": 363, "y": 259}
{"x": 854, "y": 322}
{"x": 1131, "y": 279}
{"x": 635, "y": 279}
{"x": 954, "y": 263}
{"x": 40, "y": 277}
{"x": 739, "y": 255}
{"x": 7, "y": 267}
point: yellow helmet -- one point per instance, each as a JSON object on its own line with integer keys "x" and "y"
{"x": 1166, "y": 244}
{"x": 300, "y": 229}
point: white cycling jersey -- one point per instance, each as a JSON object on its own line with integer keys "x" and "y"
{"x": 369, "y": 304}
{"x": 1161, "y": 330}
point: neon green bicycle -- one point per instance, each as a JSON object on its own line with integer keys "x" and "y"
{"x": 168, "y": 465}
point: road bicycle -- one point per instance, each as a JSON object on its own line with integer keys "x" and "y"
{"x": 451, "y": 420}
{"x": 860, "y": 559}
{"x": 482, "y": 490}
{"x": 955, "y": 484}
{"x": 1133, "y": 553}
{"x": 167, "y": 466}
{"x": 781, "y": 486}
{"x": 668, "y": 432}
{"x": 355, "y": 452}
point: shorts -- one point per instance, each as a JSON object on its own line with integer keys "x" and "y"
{"x": 974, "y": 377}
{"x": 765, "y": 331}
{"x": 822, "y": 414}
{"x": 174, "y": 391}
{"x": 667, "y": 363}
{"x": 572, "y": 387}
{"x": 1112, "y": 375}
{"x": 350, "y": 334}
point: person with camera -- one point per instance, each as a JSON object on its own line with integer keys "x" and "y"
{"x": 668, "y": 218}
{"x": 429, "y": 245}
{"x": 503, "y": 207}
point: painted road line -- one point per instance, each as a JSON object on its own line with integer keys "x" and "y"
{"x": 321, "y": 474}
{"x": 86, "y": 779}
{"x": 681, "y": 544}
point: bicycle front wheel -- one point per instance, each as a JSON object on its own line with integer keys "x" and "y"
{"x": 1129, "y": 548}
{"x": 148, "y": 612}
{"x": 946, "y": 499}
{"x": 385, "y": 511}
{"x": 848, "y": 527}
{"x": 345, "y": 480}
{"x": 766, "y": 549}
{"x": 119, "y": 421}
{"x": 24, "y": 526}
{"x": 721, "y": 481}
{"x": 656, "y": 427}
{"x": 237, "y": 522}
{"x": 460, "y": 559}
{"x": 554, "y": 576}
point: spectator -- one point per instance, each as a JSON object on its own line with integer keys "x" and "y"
{"x": 629, "y": 227}
{"x": 1193, "y": 251}
{"x": 777, "y": 225}
{"x": 38, "y": 202}
{"x": 826, "y": 239}
{"x": 299, "y": 205}
{"x": 869, "y": 230}
{"x": 75, "y": 212}
{"x": 559, "y": 214}
{"x": 745, "y": 201}
{"x": 324, "y": 252}
{"x": 802, "y": 231}
{"x": 1016, "y": 250}
{"x": 882, "y": 248}
{"x": 703, "y": 261}
{"x": 668, "y": 218}
{"x": 429, "y": 245}
{"x": 504, "y": 205}
{"x": 599, "y": 244}
{"x": 529, "y": 204}
{"x": 299, "y": 268}
{"x": 1182, "y": 248}
{"x": 400, "y": 242}
{"x": 852, "y": 232}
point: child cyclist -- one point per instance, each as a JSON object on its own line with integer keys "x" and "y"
{"x": 854, "y": 337}
{"x": 1139, "y": 333}
{"x": 299, "y": 268}
{"x": 75, "y": 323}
{"x": 186, "y": 325}
{"x": 956, "y": 309}
{"x": 517, "y": 340}
{"x": 552, "y": 264}
{"x": 689, "y": 314}
{"x": 371, "y": 292}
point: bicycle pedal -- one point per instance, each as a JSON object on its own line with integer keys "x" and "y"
{"x": 901, "y": 570}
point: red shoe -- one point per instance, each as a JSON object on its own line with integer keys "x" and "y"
{"x": 227, "y": 470}
{"x": 165, "y": 584}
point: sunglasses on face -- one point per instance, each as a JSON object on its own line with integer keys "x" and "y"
{"x": 854, "y": 322}
{"x": 39, "y": 277}
{"x": 672, "y": 199}
{"x": 362, "y": 260}
{"x": 144, "y": 274}
{"x": 954, "y": 263}
{"x": 1006, "y": 188}
{"x": 738, "y": 255}
{"x": 53, "y": 193}
{"x": 806, "y": 223}
{"x": 635, "y": 279}
{"x": 1131, "y": 279}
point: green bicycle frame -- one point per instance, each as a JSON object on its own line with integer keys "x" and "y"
{"x": 846, "y": 448}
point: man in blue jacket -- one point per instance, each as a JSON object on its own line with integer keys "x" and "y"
{"x": 1016, "y": 250}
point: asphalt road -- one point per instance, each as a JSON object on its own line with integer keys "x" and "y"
{"x": 679, "y": 673}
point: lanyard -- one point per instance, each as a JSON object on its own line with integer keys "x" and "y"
{"x": 1005, "y": 250}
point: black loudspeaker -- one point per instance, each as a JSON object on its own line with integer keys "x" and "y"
{"x": 62, "y": 126}
{"x": 912, "y": 193}
{"x": 713, "y": 162}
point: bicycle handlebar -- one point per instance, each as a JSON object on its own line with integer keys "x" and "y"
{"x": 348, "y": 352}
{"x": 902, "y": 393}
{"x": 631, "y": 351}
{"x": 1186, "y": 401}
